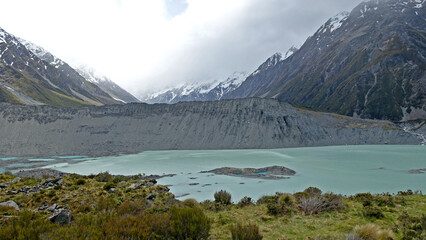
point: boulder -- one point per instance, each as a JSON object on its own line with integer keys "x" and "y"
{"x": 52, "y": 207}
{"x": 15, "y": 180}
{"x": 61, "y": 216}
{"x": 150, "y": 196}
{"x": 10, "y": 204}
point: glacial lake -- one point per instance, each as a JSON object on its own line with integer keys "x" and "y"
{"x": 339, "y": 169}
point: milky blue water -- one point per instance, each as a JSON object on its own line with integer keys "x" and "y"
{"x": 340, "y": 169}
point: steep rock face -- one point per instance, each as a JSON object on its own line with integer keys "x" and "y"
{"x": 226, "y": 124}
{"x": 210, "y": 91}
{"x": 369, "y": 63}
{"x": 26, "y": 78}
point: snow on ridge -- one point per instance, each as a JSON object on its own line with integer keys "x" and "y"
{"x": 338, "y": 20}
{"x": 290, "y": 52}
{"x": 41, "y": 53}
{"x": 232, "y": 82}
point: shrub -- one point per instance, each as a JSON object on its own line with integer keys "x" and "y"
{"x": 26, "y": 225}
{"x": 373, "y": 212}
{"x": 366, "y": 199}
{"x": 131, "y": 207}
{"x": 373, "y": 232}
{"x": 245, "y": 232}
{"x": 141, "y": 226}
{"x": 312, "y": 205}
{"x": 222, "y": 197}
{"x": 313, "y": 191}
{"x": 299, "y": 195}
{"x": 80, "y": 182}
{"x": 103, "y": 177}
{"x": 412, "y": 227}
{"x": 105, "y": 204}
{"x": 385, "y": 200}
{"x": 281, "y": 204}
{"x": 267, "y": 199}
{"x": 190, "y": 202}
{"x": 189, "y": 223}
{"x": 108, "y": 186}
{"x": 317, "y": 203}
{"x": 245, "y": 201}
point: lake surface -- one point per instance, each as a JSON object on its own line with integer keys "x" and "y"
{"x": 340, "y": 169}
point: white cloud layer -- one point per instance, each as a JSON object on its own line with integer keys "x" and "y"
{"x": 142, "y": 48}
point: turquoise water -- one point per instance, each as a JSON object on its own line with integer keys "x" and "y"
{"x": 41, "y": 159}
{"x": 9, "y": 158}
{"x": 340, "y": 169}
{"x": 70, "y": 157}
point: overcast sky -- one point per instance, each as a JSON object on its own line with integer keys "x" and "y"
{"x": 146, "y": 45}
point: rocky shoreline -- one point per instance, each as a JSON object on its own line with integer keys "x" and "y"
{"x": 269, "y": 173}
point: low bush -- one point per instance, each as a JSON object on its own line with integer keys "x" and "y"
{"x": 245, "y": 201}
{"x": 189, "y": 223}
{"x": 412, "y": 227}
{"x": 317, "y": 203}
{"x": 373, "y": 212}
{"x": 245, "y": 232}
{"x": 26, "y": 225}
{"x": 80, "y": 182}
{"x": 313, "y": 191}
{"x": 373, "y": 232}
{"x": 109, "y": 185}
{"x": 190, "y": 202}
{"x": 103, "y": 177}
{"x": 284, "y": 204}
{"x": 222, "y": 197}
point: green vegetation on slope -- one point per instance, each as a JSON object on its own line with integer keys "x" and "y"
{"x": 134, "y": 207}
{"x": 6, "y": 96}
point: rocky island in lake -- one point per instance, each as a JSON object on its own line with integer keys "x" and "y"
{"x": 274, "y": 172}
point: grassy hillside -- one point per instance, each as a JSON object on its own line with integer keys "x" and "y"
{"x": 118, "y": 207}
{"x": 6, "y": 96}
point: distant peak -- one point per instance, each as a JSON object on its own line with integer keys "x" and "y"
{"x": 290, "y": 52}
{"x": 274, "y": 59}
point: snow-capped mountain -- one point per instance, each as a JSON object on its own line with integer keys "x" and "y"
{"x": 38, "y": 77}
{"x": 197, "y": 91}
{"x": 107, "y": 85}
{"x": 367, "y": 63}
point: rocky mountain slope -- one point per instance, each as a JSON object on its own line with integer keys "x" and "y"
{"x": 106, "y": 84}
{"x": 369, "y": 63}
{"x": 27, "y": 78}
{"x": 197, "y": 92}
{"x": 225, "y": 124}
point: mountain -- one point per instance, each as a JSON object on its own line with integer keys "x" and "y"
{"x": 225, "y": 124}
{"x": 26, "y": 78}
{"x": 197, "y": 91}
{"x": 369, "y": 63}
{"x": 106, "y": 85}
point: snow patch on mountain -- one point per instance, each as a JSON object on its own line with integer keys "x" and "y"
{"x": 42, "y": 53}
{"x": 338, "y": 20}
{"x": 213, "y": 90}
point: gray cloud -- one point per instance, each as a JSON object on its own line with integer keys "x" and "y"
{"x": 256, "y": 32}
{"x": 148, "y": 45}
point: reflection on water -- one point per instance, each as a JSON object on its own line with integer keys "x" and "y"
{"x": 340, "y": 169}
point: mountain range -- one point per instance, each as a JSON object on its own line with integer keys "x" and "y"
{"x": 31, "y": 75}
{"x": 368, "y": 63}
{"x": 209, "y": 91}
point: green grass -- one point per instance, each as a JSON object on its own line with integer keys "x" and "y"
{"x": 98, "y": 212}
